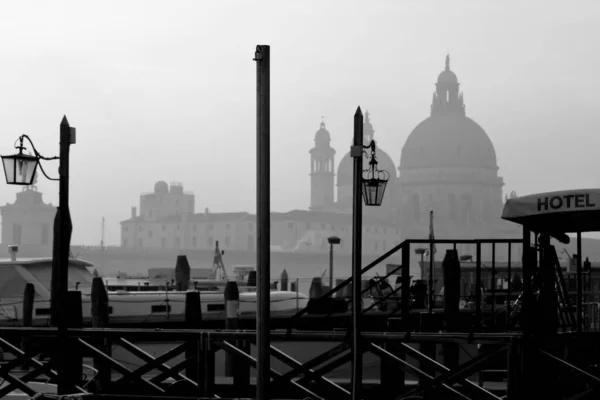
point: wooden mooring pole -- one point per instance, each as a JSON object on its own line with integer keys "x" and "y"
{"x": 262, "y": 56}
{"x": 100, "y": 315}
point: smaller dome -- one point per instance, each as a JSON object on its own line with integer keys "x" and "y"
{"x": 161, "y": 187}
{"x": 322, "y": 135}
{"x": 447, "y": 76}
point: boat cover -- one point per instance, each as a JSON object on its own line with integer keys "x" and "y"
{"x": 568, "y": 211}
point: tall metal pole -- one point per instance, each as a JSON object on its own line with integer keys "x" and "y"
{"x": 263, "y": 219}
{"x": 431, "y": 270}
{"x": 579, "y": 306}
{"x": 330, "y": 266}
{"x": 357, "y": 153}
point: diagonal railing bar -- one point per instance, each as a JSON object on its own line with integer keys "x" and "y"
{"x": 407, "y": 367}
{"x": 172, "y": 372}
{"x": 18, "y": 352}
{"x": 331, "y": 366}
{"x": 17, "y": 383}
{"x": 346, "y": 282}
{"x": 382, "y": 299}
{"x": 583, "y": 395}
{"x": 449, "y": 376}
{"x": 228, "y": 347}
{"x": 371, "y": 285}
{"x": 120, "y": 368}
{"x": 593, "y": 379}
{"x": 309, "y": 373}
{"x": 144, "y": 356}
{"x": 306, "y": 368}
{"x": 22, "y": 359}
{"x": 160, "y": 360}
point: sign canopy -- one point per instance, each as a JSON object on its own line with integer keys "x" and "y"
{"x": 568, "y": 211}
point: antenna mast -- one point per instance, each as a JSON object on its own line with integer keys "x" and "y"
{"x": 102, "y": 239}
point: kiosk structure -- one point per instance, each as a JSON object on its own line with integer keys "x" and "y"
{"x": 552, "y": 215}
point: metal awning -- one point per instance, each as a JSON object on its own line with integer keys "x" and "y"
{"x": 568, "y": 211}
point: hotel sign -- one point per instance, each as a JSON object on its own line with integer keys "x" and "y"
{"x": 565, "y": 202}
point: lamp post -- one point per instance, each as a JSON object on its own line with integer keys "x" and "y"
{"x": 371, "y": 185}
{"x": 332, "y": 240}
{"x": 20, "y": 169}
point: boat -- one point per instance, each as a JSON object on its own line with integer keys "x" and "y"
{"x": 125, "y": 304}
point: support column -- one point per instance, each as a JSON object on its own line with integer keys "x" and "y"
{"x": 263, "y": 219}
{"x": 357, "y": 154}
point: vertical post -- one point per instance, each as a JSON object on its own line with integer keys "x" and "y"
{"x": 509, "y": 286}
{"x": 431, "y": 298}
{"x": 284, "y": 281}
{"x": 405, "y": 291}
{"x": 493, "y": 283}
{"x": 62, "y": 228}
{"x": 357, "y": 154}
{"x": 263, "y": 216}
{"x": 100, "y": 315}
{"x": 529, "y": 264}
{"x": 579, "y": 285}
{"x": 478, "y": 284}
{"x": 60, "y": 257}
{"x": 330, "y": 266}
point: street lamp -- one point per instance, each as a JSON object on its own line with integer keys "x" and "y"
{"x": 20, "y": 169}
{"x": 369, "y": 184}
{"x": 374, "y": 180}
{"x": 332, "y": 240}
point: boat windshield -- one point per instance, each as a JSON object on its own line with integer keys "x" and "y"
{"x": 79, "y": 277}
{"x": 12, "y": 284}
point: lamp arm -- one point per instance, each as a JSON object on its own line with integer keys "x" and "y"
{"x": 45, "y": 174}
{"x": 37, "y": 153}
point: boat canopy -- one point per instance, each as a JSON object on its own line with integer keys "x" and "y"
{"x": 568, "y": 211}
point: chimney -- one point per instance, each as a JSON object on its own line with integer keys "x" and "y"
{"x": 13, "y": 249}
{"x": 206, "y": 211}
{"x": 133, "y": 212}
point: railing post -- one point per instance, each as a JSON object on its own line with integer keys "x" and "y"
{"x": 515, "y": 370}
{"x": 405, "y": 291}
{"x": 100, "y": 315}
{"x": 193, "y": 320}
{"x": 28, "y": 300}
{"x": 70, "y": 355}
{"x": 478, "y": 286}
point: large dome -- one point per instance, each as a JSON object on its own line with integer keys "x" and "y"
{"x": 346, "y": 167}
{"x": 448, "y": 141}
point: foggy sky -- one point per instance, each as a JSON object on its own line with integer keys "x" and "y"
{"x": 166, "y": 91}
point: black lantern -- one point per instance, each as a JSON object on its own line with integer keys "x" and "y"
{"x": 374, "y": 181}
{"x": 20, "y": 168}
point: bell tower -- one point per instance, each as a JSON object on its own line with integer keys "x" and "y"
{"x": 447, "y": 100}
{"x": 322, "y": 161}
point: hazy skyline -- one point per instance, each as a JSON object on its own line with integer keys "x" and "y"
{"x": 167, "y": 92}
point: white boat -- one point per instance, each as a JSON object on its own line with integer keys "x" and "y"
{"x": 124, "y": 305}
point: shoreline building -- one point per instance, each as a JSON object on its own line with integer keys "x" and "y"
{"x": 448, "y": 164}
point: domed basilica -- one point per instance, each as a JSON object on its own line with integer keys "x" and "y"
{"x": 448, "y": 164}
